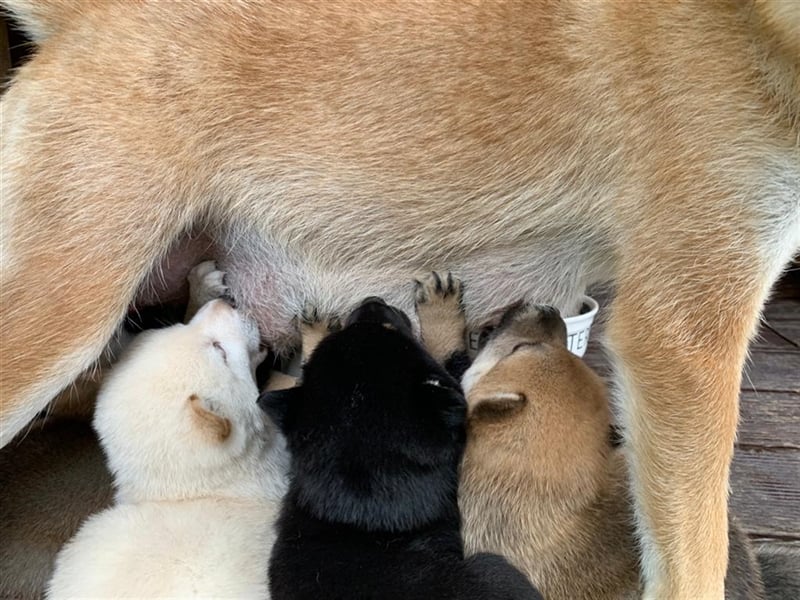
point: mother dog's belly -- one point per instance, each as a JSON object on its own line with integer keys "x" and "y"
{"x": 274, "y": 281}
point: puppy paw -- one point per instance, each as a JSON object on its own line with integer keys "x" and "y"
{"x": 437, "y": 288}
{"x": 206, "y": 283}
{"x": 441, "y": 319}
{"x": 314, "y": 326}
{"x": 311, "y": 317}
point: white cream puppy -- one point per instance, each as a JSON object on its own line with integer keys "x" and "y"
{"x": 199, "y": 470}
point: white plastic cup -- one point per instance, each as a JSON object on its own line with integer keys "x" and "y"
{"x": 580, "y": 325}
{"x": 578, "y": 328}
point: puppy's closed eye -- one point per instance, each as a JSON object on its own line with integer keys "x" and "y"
{"x": 219, "y": 348}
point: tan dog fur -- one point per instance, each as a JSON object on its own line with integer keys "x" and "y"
{"x": 541, "y": 483}
{"x": 332, "y": 150}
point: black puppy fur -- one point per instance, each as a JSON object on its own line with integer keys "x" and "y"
{"x": 377, "y": 431}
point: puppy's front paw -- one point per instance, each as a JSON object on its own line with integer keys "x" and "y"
{"x": 437, "y": 288}
{"x": 206, "y": 283}
{"x": 312, "y": 318}
{"x": 441, "y": 319}
{"x": 314, "y": 326}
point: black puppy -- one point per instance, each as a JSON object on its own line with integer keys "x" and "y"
{"x": 377, "y": 431}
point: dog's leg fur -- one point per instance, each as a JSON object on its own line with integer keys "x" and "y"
{"x": 49, "y": 267}
{"x": 679, "y": 375}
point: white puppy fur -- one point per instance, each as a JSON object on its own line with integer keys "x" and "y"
{"x": 199, "y": 470}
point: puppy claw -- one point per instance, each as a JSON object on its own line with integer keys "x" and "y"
{"x": 309, "y": 314}
{"x": 314, "y": 327}
{"x": 441, "y": 318}
{"x": 311, "y": 317}
{"x": 334, "y": 323}
{"x": 437, "y": 287}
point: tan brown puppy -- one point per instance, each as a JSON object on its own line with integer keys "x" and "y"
{"x": 541, "y": 483}
{"x": 331, "y": 150}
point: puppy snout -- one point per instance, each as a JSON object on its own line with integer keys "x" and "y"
{"x": 371, "y": 310}
{"x": 215, "y": 309}
{"x": 375, "y": 310}
{"x": 533, "y": 322}
{"x": 549, "y": 323}
{"x": 373, "y": 300}
{"x": 549, "y": 314}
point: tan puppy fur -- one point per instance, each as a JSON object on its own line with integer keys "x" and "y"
{"x": 541, "y": 483}
{"x": 332, "y": 150}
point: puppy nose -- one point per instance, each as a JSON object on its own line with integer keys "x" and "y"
{"x": 373, "y": 300}
{"x": 215, "y": 309}
{"x": 548, "y": 313}
{"x": 220, "y": 306}
{"x": 371, "y": 310}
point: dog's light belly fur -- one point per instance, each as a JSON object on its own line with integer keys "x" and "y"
{"x": 361, "y": 146}
{"x": 273, "y": 286}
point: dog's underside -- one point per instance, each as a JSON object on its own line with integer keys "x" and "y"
{"x": 327, "y": 152}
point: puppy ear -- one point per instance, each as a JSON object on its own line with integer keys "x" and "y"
{"x": 496, "y": 404}
{"x": 218, "y": 427}
{"x": 279, "y": 405}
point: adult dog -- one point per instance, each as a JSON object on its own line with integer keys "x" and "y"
{"x": 330, "y": 150}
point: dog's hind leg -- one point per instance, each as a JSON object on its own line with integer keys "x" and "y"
{"x": 81, "y": 228}
{"x": 679, "y": 332}
{"x": 62, "y": 298}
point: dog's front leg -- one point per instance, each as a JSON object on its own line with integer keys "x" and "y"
{"x": 679, "y": 343}
{"x": 441, "y": 320}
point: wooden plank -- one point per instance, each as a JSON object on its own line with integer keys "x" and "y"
{"x": 785, "y": 309}
{"x": 774, "y": 371}
{"x": 770, "y": 337}
{"x": 769, "y": 419}
{"x": 788, "y": 329}
{"x": 765, "y": 491}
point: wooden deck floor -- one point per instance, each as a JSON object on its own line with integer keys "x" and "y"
{"x": 765, "y": 477}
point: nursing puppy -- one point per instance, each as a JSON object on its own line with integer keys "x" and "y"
{"x": 198, "y": 468}
{"x": 540, "y": 482}
{"x": 376, "y": 432}
{"x": 331, "y": 150}
{"x": 55, "y": 475}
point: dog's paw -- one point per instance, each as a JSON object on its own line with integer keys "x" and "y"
{"x": 207, "y": 283}
{"x": 437, "y": 288}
